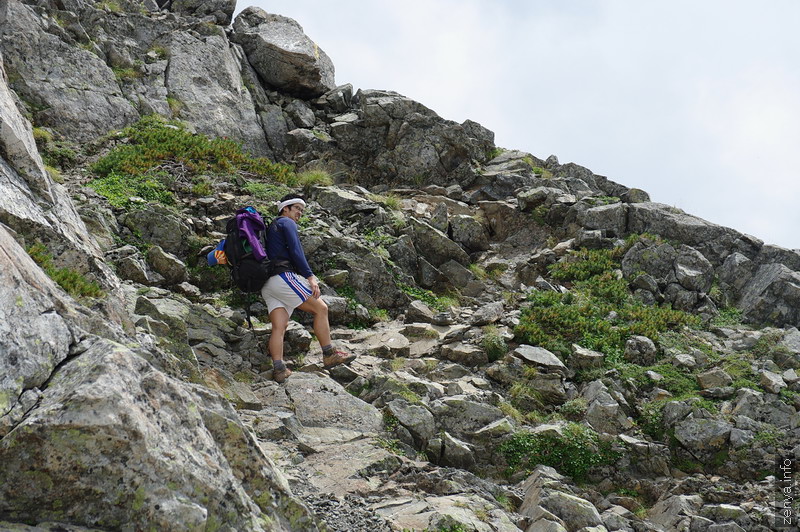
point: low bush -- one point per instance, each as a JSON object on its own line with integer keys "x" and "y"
{"x": 574, "y": 452}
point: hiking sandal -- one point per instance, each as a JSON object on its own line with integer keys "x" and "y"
{"x": 337, "y": 358}
{"x": 281, "y": 376}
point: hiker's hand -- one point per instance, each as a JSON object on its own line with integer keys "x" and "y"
{"x": 312, "y": 281}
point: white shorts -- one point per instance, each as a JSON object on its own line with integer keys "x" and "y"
{"x": 287, "y": 290}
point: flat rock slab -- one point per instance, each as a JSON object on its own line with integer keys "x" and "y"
{"x": 319, "y": 401}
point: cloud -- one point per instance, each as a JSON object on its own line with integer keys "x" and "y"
{"x": 696, "y": 102}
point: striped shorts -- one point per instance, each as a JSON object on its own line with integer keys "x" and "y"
{"x": 287, "y": 290}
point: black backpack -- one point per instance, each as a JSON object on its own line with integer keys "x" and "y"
{"x": 247, "y": 274}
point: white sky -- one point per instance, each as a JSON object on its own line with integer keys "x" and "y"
{"x": 695, "y": 101}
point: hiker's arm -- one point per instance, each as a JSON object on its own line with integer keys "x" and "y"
{"x": 295, "y": 249}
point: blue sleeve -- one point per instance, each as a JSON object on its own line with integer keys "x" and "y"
{"x": 296, "y": 254}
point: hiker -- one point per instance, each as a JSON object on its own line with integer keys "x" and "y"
{"x": 293, "y": 285}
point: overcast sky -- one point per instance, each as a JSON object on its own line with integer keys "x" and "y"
{"x": 696, "y": 102}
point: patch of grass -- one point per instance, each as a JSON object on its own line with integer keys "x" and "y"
{"x": 175, "y": 105}
{"x": 493, "y": 344}
{"x": 54, "y": 174}
{"x": 741, "y": 371}
{"x": 391, "y": 445}
{"x": 110, "y": 5}
{"x": 599, "y": 313}
{"x": 73, "y": 282}
{"x": 575, "y": 453}
{"x": 153, "y": 144}
{"x": 202, "y": 188}
{"x": 728, "y": 317}
{"x": 494, "y": 152}
{"x": 538, "y": 170}
{"x": 268, "y": 192}
{"x": 160, "y": 51}
{"x": 478, "y": 272}
{"x": 124, "y": 74}
{"x": 119, "y": 188}
{"x": 311, "y": 178}
{"x": 574, "y": 409}
{"x": 429, "y": 298}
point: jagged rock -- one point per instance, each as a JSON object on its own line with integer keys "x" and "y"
{"x": 772, "y": 295}
{"x": 610, "y": 219}
{"x": 772, "y": 382}
{"x": 456, "y": 274}
{"x": 167, "y": 265}
{"x": 118, "y": 399}
{"x": 218, "y": 105}
{"x": 469, "y": 232}
{"x": 456, "y": 453}
{"x": 159, "y": 226}
{"x": 640, "y": 350}
{"x": 604, "y": 413}
{"x": 388, "y": 344}
{"x": 343, "y": 202}
{"x": 543, "y": 499}
{"x": 540, "y": 358}
{"x": 282, "y": 54}
{"x": 467, "y": 354}
{"x": 657, "y": 260}
{"x": 33, "y": 338}
{"x": 418, "y": 144}
{"x": 585, "y": 358}
{"x": 692, "y": 270}
{"x": 417, "y": 419}
{"x": 712, "y": 241}
{"x": 418, "y": 312}
{"x": 675, "y": 512}
{"x": 435, "y": 246}
{"x": 221, "y": 10}
{"x": 81, "y": 115}
{"x": 488, "y": 313}
{"x": 713, "y": 379}
{"x": 722, "y": 513}
{"x": 531, "y": 198}
{"x": 322, "y": 402}
{"x": 133, "y": 268}
{"x": 703, "y": 436}
{"x": 459, "y": 415}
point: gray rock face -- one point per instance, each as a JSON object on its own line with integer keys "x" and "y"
{"x": 76, "y": 91}
{"x": 469, "y": 232}
{"x": 33, "y": 337}
{"x": 159, "y": 225}
{"x": 713, "y": 241}
{"x": 221, "y": 10}
{"x": 204, "y": 76}
{"x": 772, "y": 295}
{"x": 282, "y": 54}
{"x": 153, "y": 474}
{"x": 402, "y": 141}
{"x": 435, "y": 246}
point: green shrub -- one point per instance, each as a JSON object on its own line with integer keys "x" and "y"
{"x": 119, "y": 188}
{"x": 426, "y": 296}
{"x": 493, "y": 344}
{"x": 153, "y": 141}
{"x": 574, "y": 409}
{"x": 73, "y": 282}
{"x": 311, "y": 178}
{"x": 574, "y": 453}
{"x": 599, "y": 312}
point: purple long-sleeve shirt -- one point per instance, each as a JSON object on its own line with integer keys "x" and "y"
{"x": 283, "y": 243}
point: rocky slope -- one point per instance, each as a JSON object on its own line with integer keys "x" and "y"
{"x": 541, "y": 348}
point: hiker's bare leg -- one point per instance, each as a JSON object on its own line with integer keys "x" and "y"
{"x": 280, "y": 321}
{"x": 319, "y": 309}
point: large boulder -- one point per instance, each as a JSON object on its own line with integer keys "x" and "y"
{"x": 138, "y": 448}
{"x": 282, "y": 54}
{"x": 205, "y": 80}
{"x": 772, "y": 296}
{"x": 435, "y": 246}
